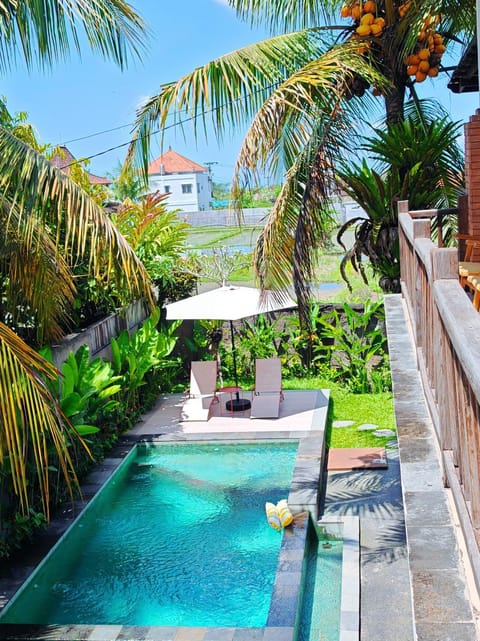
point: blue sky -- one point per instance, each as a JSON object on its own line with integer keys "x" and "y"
{"x": 82, "y": 97}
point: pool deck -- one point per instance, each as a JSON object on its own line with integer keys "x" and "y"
{"x": 415, "y": 584}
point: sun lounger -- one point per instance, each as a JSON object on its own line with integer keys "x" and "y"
{"x": 202, "y": 392}
{"x": 268, "y": 388}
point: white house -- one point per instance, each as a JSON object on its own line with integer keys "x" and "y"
{"x": 189, "y": 184}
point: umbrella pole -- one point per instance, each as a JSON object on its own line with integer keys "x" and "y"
{"x": 236, "y": 404}
{"x": 235, "y": 377}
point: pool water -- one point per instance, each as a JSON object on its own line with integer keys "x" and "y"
{"x": 178, "y": 537}
{"x": 322, "y": 587}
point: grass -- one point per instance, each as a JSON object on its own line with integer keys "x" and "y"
{"x": 327, "y": 269}
{"x": 360, "y": 408}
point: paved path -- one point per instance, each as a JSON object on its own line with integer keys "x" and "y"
{"x": 375, "y": 496}
{"x": 444, "y": 600}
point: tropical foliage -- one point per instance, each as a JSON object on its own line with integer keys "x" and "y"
{"x": 158, "y": 237}
{"x": 305, "y": 94}
{"x": 142, "y": 363}
{"x": 47, "y": 224}
{"x": 343, "y": 344}
{"x": 125, "y": 185}
{"x": 100, "y": 400}
{"x": 417, "y": 159}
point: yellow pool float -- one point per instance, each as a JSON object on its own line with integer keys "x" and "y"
{"x": 284, "y": 514}
{"x": 273, "y": 517}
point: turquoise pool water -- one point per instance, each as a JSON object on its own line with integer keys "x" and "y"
{"x": 322, "y": 587}
{"x": 178, "y": 537}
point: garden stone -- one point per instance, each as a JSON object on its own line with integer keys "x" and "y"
{"x": 367, "y": 427}
{"x": 383, "y": 433}
{"x": 342, "y": 423}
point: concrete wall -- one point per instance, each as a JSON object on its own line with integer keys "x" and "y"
{"x": 345, "y": 209}
{"x": 97, "y": 336}
{"x": 224, "y": 217}
{"x": 199, "y": 198}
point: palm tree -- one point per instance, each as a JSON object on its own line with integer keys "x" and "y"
{"x": 47, "y": 222}
{"x": 126, "y": 185}
{"x": 305, "y": 94}
{"x": 417, "y": 159}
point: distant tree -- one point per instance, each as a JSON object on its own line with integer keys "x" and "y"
{"x": 126, "y": 184}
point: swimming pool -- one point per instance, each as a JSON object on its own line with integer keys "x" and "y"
{"x": 322, "y": 586}
{"x": 178, "y": 537}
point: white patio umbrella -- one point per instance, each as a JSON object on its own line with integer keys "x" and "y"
{"x": 229, "y": 303}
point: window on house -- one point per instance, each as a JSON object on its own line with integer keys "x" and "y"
{"x": 167, "y": 189}
{"x": 187, "y": 189}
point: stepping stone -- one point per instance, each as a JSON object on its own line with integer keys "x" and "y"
{"x": 342, "y": 423}
{"x": 356, "y": 458}
{"x": 384, "y": 433}
{"x": 367, "y": 427}
{"x": 392, "y": 443}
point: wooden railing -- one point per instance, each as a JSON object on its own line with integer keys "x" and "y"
{"x": 446, "y": 330}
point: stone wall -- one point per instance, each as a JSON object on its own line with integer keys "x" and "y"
{"x": 98, "y": 335}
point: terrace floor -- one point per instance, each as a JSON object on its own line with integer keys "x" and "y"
{"x": 300, "y": 411}
{"x": 415, "y": 583}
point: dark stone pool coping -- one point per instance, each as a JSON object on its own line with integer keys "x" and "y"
{"x": 282, "y": 618}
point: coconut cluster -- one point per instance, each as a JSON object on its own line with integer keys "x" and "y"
{"x": 369, "y": 22}
{"x": 366, "y": 16}
{"x": 425, "y": 61}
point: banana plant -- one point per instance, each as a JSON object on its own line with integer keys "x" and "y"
{"x": 133, "y": 357}
{"x": 356, "y": 341}
{"x": 85, "y": 390}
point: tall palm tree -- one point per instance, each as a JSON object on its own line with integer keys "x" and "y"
{"x": 41, "y": 212}
{"x": 305, "y": 94}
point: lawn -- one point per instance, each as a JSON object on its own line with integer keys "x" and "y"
{"x": 375, "y": 409}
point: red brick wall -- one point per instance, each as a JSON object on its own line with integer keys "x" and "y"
{"x": 472, "y": 175}
{"x": 472, "y": 172}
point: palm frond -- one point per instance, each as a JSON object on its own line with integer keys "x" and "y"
{"x": 38, "y": 280}
{"x": 225, "y": 92}
{"x": 373, "y": 191}
{"x": 30, "y": 422}
{"x": 454, "y": 21}
{"x": 151, "y": 229}
{"x": 430, "y": 144}
{"x": 46, "y": 30}
{"x": 286, "y": 14}
{"x": 33, "y": 186}
{"x": 285, "y": 122}
{"x": 285, "y": 250}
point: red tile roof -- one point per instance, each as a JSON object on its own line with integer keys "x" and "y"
{"x": 65, "y": 158}
{"x": 172, "y": 163}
